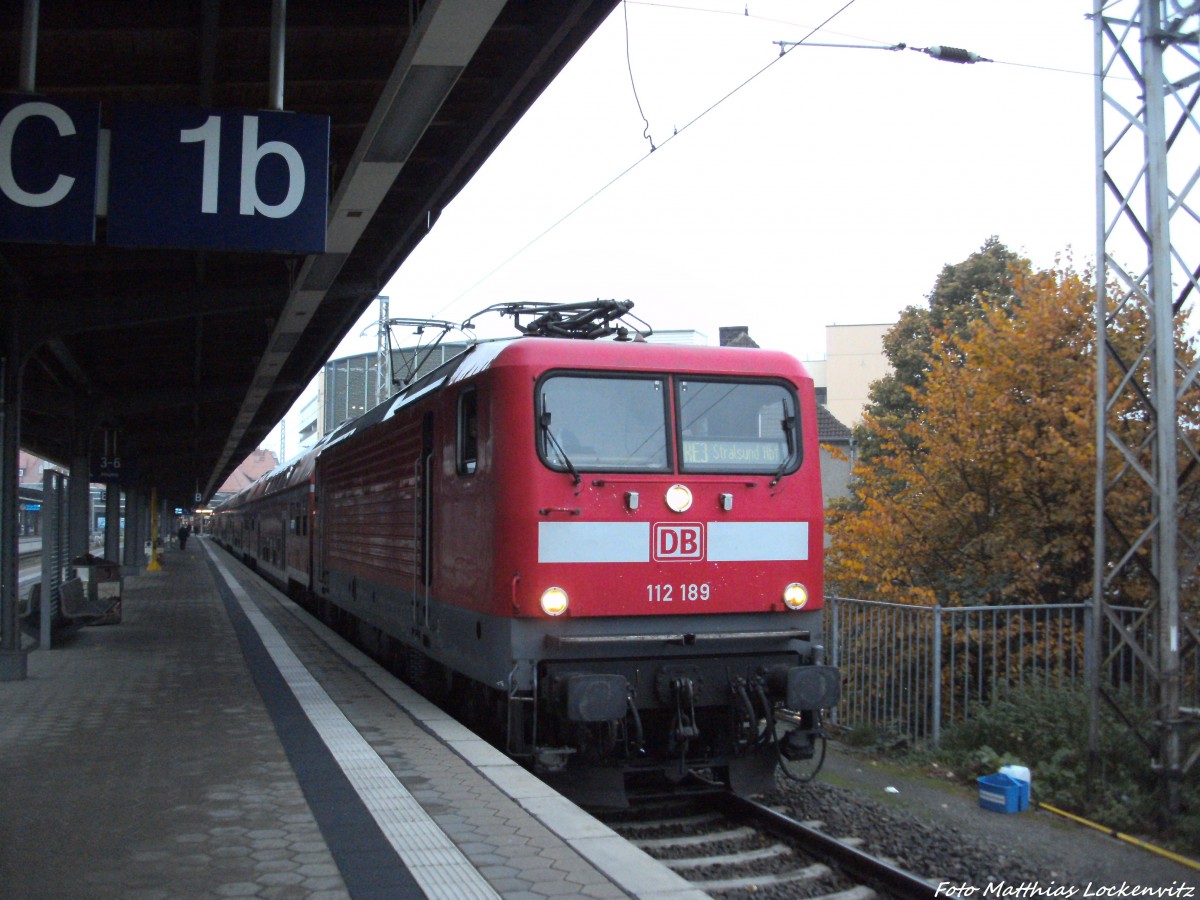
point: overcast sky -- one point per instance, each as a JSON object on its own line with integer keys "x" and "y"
{"x": 826, "y": 186}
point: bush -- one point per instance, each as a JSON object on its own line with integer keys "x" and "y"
{"x": 1046, "y": 729}
{"x": 860, "y": 736}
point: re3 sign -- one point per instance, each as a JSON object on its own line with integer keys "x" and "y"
{"x": 176, "y": 176}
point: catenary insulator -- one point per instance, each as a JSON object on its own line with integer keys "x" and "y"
{"x": 955, "y": 54}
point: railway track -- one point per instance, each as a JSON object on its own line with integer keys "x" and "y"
{"x": 733, "y": 847}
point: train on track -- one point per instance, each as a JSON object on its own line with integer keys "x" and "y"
{"x": 603, "y": 552}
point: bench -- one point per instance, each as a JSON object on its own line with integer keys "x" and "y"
{"x": 31, "y": 603}
{"x": 74, "y": 605}
{"x": 29, "y": 611}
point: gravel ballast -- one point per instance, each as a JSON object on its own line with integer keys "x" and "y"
{"x": 936, "y": 828}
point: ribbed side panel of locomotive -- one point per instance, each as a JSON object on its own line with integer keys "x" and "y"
{"x": 401, "y": 548}
{"x": 372, "y": 525}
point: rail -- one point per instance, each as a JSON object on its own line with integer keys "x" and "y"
{"x": 899, "y": 882}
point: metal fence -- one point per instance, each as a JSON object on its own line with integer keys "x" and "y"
{"x": 910, "y": 670}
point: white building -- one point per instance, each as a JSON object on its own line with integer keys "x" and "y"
{"x": 854, "y": 358}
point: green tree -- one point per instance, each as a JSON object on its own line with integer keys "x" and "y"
{"x": 962, "y": 292}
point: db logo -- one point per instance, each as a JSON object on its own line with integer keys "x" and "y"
{"x": 682, "y": 541}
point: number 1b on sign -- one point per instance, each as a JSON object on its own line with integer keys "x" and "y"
{"x": 222, "y": 179}
{"x": 253, "y": 154}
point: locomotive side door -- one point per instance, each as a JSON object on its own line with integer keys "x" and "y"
{"x": 423, "y": 526}
{"x": 285, "y": 525}
{"x": 317, "y": 510}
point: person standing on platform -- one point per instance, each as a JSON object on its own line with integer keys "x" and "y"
{"x": 184, "y": 531}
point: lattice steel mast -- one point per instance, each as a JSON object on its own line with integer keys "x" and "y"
{"x": 383, "y": 354}
{"x": 1148, "y": 247}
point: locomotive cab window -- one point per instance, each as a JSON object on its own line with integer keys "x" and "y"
{"x": 468, "y": 431}
{"x": 600, "y": 423}
{"x": 735, "y": 426}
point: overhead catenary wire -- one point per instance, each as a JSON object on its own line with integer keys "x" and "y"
{"x": 938, "y": 51}
{"x": 877, "y": 45}
{"x": 640, "y": 160}
{"x": 633, "y": 82}
{"x": 943, "y": 53}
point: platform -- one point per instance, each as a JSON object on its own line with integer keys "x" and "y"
{"x": 219, "y": 742}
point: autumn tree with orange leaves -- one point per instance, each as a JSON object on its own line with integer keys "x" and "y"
{"x": 978, "y": 481}
{"x": 983, "y": 492}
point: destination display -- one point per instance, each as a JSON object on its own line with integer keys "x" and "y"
{"x": 717, "y": 453}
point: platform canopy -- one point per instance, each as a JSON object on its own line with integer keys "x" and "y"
{"x": 181, "y": 357}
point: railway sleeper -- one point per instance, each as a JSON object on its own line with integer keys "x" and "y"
{"x": 696, "y": 840}
{"x": 808, "y": 875}
{"x": 686, "y": 821}
{"x": 774, "y": 851}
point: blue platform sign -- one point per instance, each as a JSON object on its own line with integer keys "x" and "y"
{"x": 218, "y": 179}
{"x": 114, "y": 467}
{"x": 48, "y": 169}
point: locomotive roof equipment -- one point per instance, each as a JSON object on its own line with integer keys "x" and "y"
{"x": 588, "y": 320}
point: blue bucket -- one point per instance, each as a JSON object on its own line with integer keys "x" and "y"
{"x": 1001, "y": 793}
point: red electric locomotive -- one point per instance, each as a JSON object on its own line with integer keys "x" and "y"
{"x": 608, "y": 553}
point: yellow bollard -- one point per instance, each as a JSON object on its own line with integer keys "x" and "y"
{"x": 154, "y": 564}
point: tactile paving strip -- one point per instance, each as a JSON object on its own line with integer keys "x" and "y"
{"x": 438, "y": 866}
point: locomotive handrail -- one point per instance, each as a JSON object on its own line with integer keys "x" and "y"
{"x": 557, "y": 640}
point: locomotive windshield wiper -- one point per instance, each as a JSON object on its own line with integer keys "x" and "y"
{"x": 545, "y": 425}
{"x": 779, "y": 472}
{"x": 789, "y": 430}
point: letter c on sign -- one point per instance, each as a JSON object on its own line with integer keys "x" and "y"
{"x": 8, "y": 128}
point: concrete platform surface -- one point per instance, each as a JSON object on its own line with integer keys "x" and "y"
{"x": 220, "y": 743}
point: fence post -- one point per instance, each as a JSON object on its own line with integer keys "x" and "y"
{"x": 831, "y": 641}
{"x": 935, "y": 666}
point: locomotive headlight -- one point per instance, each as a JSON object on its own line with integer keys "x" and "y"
{"x": 554, "y": 601}
{"x": 679, "y": 498}
{"x": 795, "y": 596}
